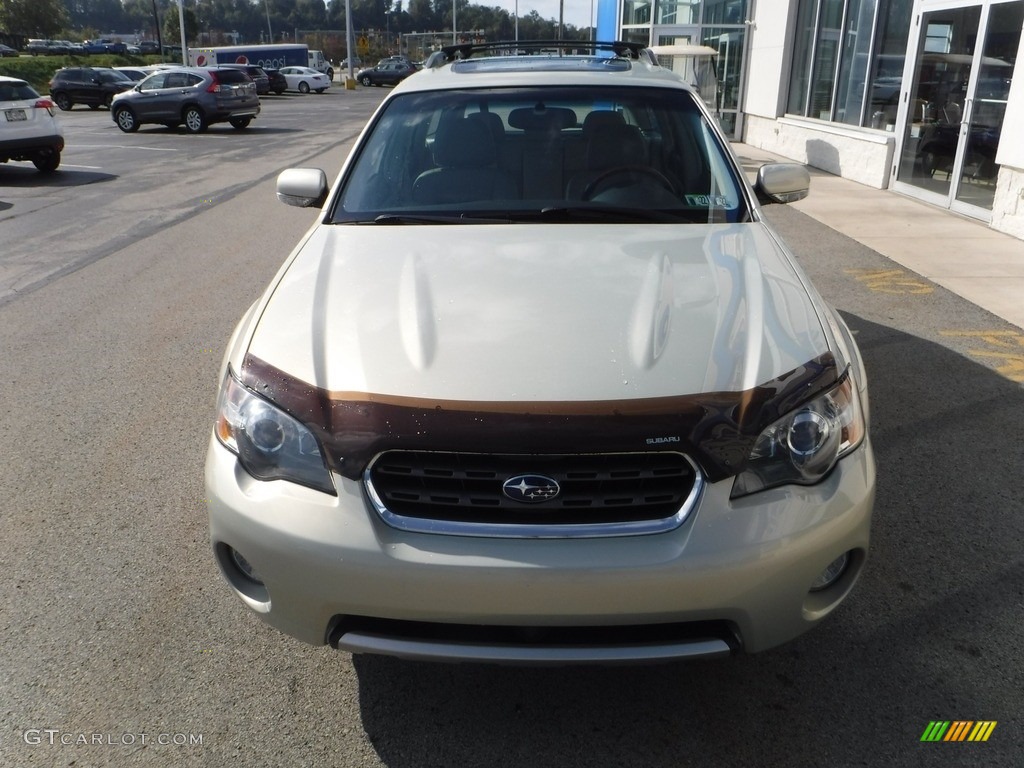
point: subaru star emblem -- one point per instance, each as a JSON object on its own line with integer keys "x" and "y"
{"x": 530, "y": 489}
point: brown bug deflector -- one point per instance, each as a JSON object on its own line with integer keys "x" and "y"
{"x": 717, "y": 429}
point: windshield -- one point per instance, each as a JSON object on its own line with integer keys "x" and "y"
{"x": 583, "y": 154}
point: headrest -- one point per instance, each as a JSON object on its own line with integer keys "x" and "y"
{"x": 542, "y": 118}
{"x": 493, "y": 123}
{"x": 616, "y": 145}
{"x": 595, "y": 121}
{"x": 464, "y": 144}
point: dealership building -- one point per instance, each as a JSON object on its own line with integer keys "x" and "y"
{"x": 915, "y": 96}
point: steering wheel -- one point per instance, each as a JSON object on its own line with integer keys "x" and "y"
{"x": 633, "y": 171}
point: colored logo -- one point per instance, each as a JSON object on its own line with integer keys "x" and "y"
{"x": 200, "y": 60}
{"x": 530, "y": 489}
{"x": 958, "y": 730}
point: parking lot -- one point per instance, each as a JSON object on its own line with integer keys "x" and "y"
{"x": 121, "y": 278}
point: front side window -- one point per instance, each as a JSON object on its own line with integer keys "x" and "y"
{"x": 153, "y": 82}
{"x": 542, "y": 154}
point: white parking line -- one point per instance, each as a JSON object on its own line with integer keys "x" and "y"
{"x": 121, "y": 146}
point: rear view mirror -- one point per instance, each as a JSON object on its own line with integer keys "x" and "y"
{"x": 302, "y": 187}
{"x": 782, "y": 183}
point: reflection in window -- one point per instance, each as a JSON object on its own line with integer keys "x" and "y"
{"x": 679, "y": 12}
{"x": 725, "y": 11}
{"x": 636, "y": 12}
{"x": 837, "y": 44}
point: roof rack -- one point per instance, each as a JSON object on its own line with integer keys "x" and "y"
{"x": 620, "y": 48}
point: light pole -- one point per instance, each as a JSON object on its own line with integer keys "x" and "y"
{"x": 181, "y": 24}
{"x": 454, "y": 27}
{"x": 270, "y": 32}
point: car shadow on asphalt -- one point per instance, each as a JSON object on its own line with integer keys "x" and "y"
{"x": 931, "y": 632}
{"x": 27, "y": 177}
{"x": 255, "y": 128}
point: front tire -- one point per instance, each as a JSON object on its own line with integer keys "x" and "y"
{"x": 47, "y": 163}
{"x": 126, "y": 120}
{"x": 195, "y": 120}
{"x": 303, "y": 87}
{"x": 366, "y": 81}
{"x": 63, "y": 101}
{"x": 240, "y": 123}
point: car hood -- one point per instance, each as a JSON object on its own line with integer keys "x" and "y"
{"x": 538, "y": 313}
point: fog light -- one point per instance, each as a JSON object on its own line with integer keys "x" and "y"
{"x": 244, "y": 566}
{"x": 831, "y": 574}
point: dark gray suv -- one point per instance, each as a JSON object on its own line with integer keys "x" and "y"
{"x": 95, "y": 86}
{"x": 194, "y": 96}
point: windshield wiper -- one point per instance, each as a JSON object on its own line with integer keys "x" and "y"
{"x": 606, "y": 213}
{"x": 399, "y": 218}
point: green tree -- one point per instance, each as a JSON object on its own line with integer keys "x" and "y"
{"x": 33, "y": 18}
{"x": 172, "y": 29}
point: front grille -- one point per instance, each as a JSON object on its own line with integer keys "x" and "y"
{"x": 598, "y": 494}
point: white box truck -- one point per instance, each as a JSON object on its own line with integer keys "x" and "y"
{"x": 320, "y": 63}
{"x": 266, "y": 56}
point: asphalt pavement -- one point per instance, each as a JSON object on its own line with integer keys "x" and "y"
{"x": 965, "y": 256}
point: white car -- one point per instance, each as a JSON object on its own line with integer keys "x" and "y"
{"x": 29, "y": 129}
{"x": 541, "y": 385}
{"x": 304, "y": 79}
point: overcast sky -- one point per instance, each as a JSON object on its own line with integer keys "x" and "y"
{"x": 577, "y": 12}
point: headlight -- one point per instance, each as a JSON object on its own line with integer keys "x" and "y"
{"x": 803, "y": 446}
{"x": 270, "y": 444}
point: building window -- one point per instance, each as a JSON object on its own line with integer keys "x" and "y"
{"x": 725, "y": 11}
{"x": 676, "y": 12}
{"x": 636, "y": 12}
{"x": 848, "y": 60}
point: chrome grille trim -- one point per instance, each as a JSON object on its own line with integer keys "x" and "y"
{"x": 441, "y": 525}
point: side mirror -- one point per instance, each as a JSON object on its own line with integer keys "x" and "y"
{"x": 302, "y": 187}
{"x": 782, "y": 183}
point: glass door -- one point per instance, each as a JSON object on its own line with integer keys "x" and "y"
{"x": 955, "y": 107}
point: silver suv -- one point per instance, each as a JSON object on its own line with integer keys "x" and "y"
{"x": 194, "y": 96}
{"x": 541, "y": 384}
{"x": 28, "y": 126}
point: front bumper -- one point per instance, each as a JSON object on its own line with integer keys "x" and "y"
{"x": 329, "y": 563}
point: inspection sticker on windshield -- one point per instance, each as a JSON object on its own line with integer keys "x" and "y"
{"x": 708, "y": 201}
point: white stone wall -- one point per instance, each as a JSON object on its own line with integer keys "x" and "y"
{"x": 861, "y": 155}
{"x": 1008, "y": 207}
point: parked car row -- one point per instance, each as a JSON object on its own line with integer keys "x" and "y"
{"x": 43, "y": 47}
{"x": 163, "y": 94}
